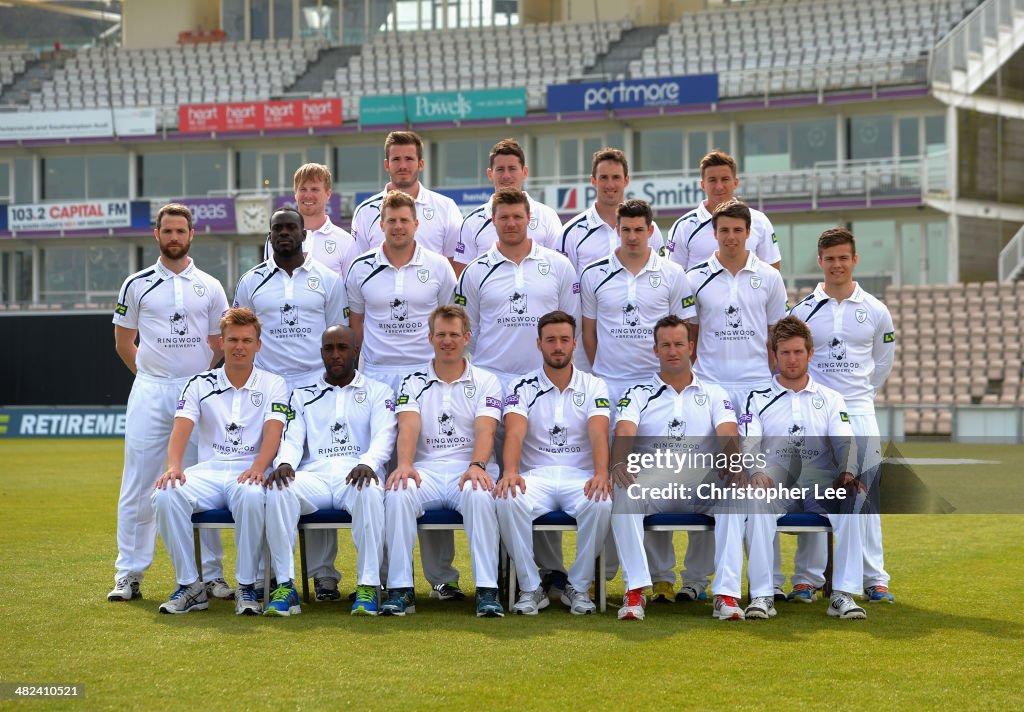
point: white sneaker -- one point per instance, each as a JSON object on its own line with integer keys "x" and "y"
{"x": 186, "y": 599}
{"x": 125, "y": 589}
{"x": 578, "y": 601}
{"x": 760, "y": 608}
{"x": 218, "y": 588}
{"x": 247, "y": 602}
{"x": 842, "y": 605}
{"x": 530, "y": 602}
{"x": 727, "y": 609}
{"x": 633, "y": 605}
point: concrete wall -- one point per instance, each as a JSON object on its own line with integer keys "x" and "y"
{"x": 151, "y": 23}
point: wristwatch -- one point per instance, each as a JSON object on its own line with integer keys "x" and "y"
{"x": 480, "y": 464}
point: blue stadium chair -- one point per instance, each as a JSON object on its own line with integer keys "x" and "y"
{"x": 221, "y": 519}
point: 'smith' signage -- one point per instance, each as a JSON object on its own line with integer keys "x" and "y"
{"x": 77, "y": 215}
{"x": 62, "y": 422}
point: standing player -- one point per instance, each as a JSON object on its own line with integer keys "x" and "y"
{"x": 393, "y": 289}
{"x": 328, "y": 243}
{"x": 854, "y": 346}
{"x": 447, "y": 465}
{"x": 295, "y": 297}
{"x": 624, "y": 295}
{"x": 676, "y": 411}
{"x": 339, "y": 436}
{"x": 739, "y": 299}
{"x": 174, "y": 309}
{"x": 440, "y": 217}
{"x": 591, "y": 235}
{"x": 692, "y": 241}
{"x": 507, "y": 169}
{"x": 505, "y": 291}
{"x": 556, "y": 456}
{"x": 239, "y": 412}
{"x": 804, "y": 429}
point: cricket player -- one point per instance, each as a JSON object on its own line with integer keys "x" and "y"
{"x": 804, "y": 428}
{"x": 329, "y": 244}
{"x": 739, "y": 299}
{"x": 448, "y": 413}
{"x": 507, "y": 169}
{"x": 440, "y": 218}
{"x": 591, "y": 235}
{"x": 239, "y": 412}
{"x": 555, "y": 458}
{"x": 393, "y": 288}
{"x": 338, "y": 438}
{"x": 692, "y": 241}
{"x": 854, "y": 348}
{"x": 678, "y": 412}
{"x": 173, "y": 308}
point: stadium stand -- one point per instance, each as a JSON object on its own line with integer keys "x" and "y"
{"x": 13, "y": 59}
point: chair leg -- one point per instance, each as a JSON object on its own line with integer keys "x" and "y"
{"x": 828, "y": 565}
{"x": 267, "y": 572}
{"x": 199, "y": 552}
{"x": 302, "y": 565}
{"x": 600, "y": 583}
{"x": 511, "y": 581}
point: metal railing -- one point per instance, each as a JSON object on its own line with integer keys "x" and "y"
{"x": 1011, "y": 258}
{"x": 951, "y": 53}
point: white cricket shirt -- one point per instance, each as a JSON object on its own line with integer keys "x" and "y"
{"x": 439, "y": 216}
{"x": 692, "y": 238}
{"x": 330, "y": 246}
{"x": 478, "y": 235}
{"x": 587, "y": 238}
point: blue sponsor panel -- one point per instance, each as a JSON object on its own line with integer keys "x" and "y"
{"x": 633, "y": 93}
{"x": 465, "y": 198}
{"x": 62, "y": 422}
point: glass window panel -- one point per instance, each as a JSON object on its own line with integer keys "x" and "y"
{"x": 938, "y": 253}
{"x": 615, "y": 139}
{"x": 870, "y": 137}
{"x": 765, "y": 148}
{"x": 876, "y": 247}
{"x": 107, "y": 176}
{"x": 248, "y": 257}
{"x": 355, "y": 23}
{"x": 63, "y": 272}
{"x": 292, "y": 161}
{"x": 910, "y": 143}
{"x": 461, "y": 163}
{"x": 590, "y": 146}
{"x": 245, "y": 171}
{"x": 23, "y": 180}
{"x": 812, "y": 141}
{"x": 283, "y": 19}
{"x": 316, "y": 21}
{"x": 658, "y": 150}
{"x": 205, "y": 172}
{"x": 696, "y": 149}
{"x": 233, "y": 19}
{"x": 934, "y": 134}
{"x": 569, "y": 158}
{"x": 5, "y": 183}
{"x": 161, "y": 175}
{"x": 259, "y": 18}
{"x": 359, "y": 168}
{"x": 542, "y": 165}
{"x": 910, "y": 254}
{"x": 107, "y": 267}
{"x": 268, "y": 170}
{"x": 317, "y": 155}
{"x": 721, "y": 141}
{"x": 63, "y": 178}
{"x": 804, "y": 250}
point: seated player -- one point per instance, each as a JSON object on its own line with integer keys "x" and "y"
{"x": 555, "y": 458}
{"x": 339, "y": 436}
{"x": 447, "y": 416}
{"x": 240, "y": 411}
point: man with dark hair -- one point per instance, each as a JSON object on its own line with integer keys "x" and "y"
{"x": 507, "y": 169}
{"x": 556, "y": 456}
{"x": 591, "y": 235}
{"x": 440, "y": 219}
{"x": 804, "y": 430}
{"x": 238, "y": 412}
{"x": 692, "y": 238}
{"x": 173, "y": 308}
{"x": 855, "y": 344}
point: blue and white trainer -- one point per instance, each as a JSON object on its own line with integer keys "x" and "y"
{"x": 284, "y": 601}
{"x": 186, "y": 599}
{"x": 366, "y": 601}
{"x": 247, "y": 602}
{"x": 879, "y": 594}
{"x": 487, "y": 604}
{"x": 401, "y": 601}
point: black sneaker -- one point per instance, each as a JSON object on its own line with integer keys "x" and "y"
{"x": 447, "y": 592}
{"x": 326, "y": 589}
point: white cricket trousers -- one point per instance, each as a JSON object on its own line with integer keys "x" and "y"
{"x": 812, "y": 549}
{"x": 312, "y": 491}
{"x": 549, "y": 489}
{"x": 148, "y": 423}
{"x": 847, "y": 556}
{"x": 211, "y": 485}
{"x": 439, "y": 489}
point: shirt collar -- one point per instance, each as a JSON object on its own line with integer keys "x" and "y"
{"x": 857, "y": 296}
{"x": 421, "y": 193}
{"x": 251, "y": 383}
{"x": 750, "y": 265}
{"x": 417, "y": 256}
{"x": 811, "y": 387}
{"x": 467, "y": 375}
{"x": 187, "y": 273}
{"x": 695, "y": 383}
{"x": 653, "y": 263}
{"x": 496, "y": 256}
{"x": 358, "y": 381}
{"x": 326, "y": 229}
{"x": 575, "y": 383}
{"x": 307, "y": 263}
{"x": 703, "y": 214}
{"x": 594, "y": 217}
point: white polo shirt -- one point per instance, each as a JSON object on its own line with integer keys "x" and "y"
{"x": 293, "y": 311}
{"x": 811, "y": 425}
{"x": 587, "y": 238}
{"x": 448, "y": 411}
{"x": 327, "y": 423}
{"x": 330, "y": 246}
{"x": 854, "y": 344}
{"x": 627, "y": 308}
{"x": 477, "y": 234}
{"x": 504, "y": 301}
{"x": 556, "y": 429}
{"x": 692, "y": 238}
{"x": 734, "y": 314}
{"x": 174, "y": 315}
{"x": 397, "y": 302}
{"x": 229, "y": 421}
{"x": 439, "y": 216}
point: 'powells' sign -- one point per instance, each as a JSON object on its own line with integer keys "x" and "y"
{"x": 443, "y": 106}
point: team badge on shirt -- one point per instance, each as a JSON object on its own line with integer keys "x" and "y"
{"x": 339, "y": 433}
{"x": 257, "y": 398}
{"x": 700, "y": 399}
{"x": 200, "y": 289}
{"x": 330, "y": 246}
{"x": 558, "y": 436}
{"x": 579, "y": 398}
{"x": 290, "y": 314}
{"x": 423, "y": 275}
{"x": 755, "y": 281}
{"x": 677, "y": 428}
{"x": 399, "y": 309}
{"x": 470, "y": 390}
{"x": 631, "y": 315}
{"x": 517, "y": 303}
{"x": 796, "y": 435}
{"x": 428, "y": 213}
{"x": 233, "y": 433}
{"x": 544, "y": 267}
{"x": 655, "y": 280}
{"x": 360, "y": 396}
{"x": 818, "y": 402}
{"x": 861, "y": 314}
{"x": 837, "y": 348}
{"x": 732, "y": 317}
{"x": 179, "y": 323}
{"x": 446, "y": 425}
{"x": 533, "y": 222}
{"x": 314, "y": 283}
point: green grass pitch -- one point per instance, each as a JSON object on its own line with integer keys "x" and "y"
{"x": 953, "y": 639}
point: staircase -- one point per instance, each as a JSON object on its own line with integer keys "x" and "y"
{"x": 323, "y": 69}
{"x": 31, "y": 80}
{"x": 965, "y": 58}
{"x": 614, "y": 64}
